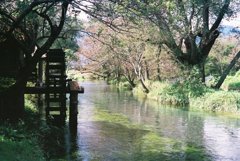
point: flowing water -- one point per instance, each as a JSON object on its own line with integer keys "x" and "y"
{"x": 115, "y": 126}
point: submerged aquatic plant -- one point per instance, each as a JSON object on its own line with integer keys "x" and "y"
{"x": 148, "y": 145}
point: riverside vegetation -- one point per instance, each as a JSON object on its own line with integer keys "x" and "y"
{"x": 29, "y": 138}
{"x": 25, "y": 139}
{"x": 193, "y": 95}
{"x": 190, "y": 94}
{"x": 20, "y": 140}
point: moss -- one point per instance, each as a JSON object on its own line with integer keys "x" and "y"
{"x": 116, "y": 118}
{"x": 104, "y": 115}
{"x": 153, "y": 147}
{"x": 148, "y": 145}
{"x": 154, "y": 143}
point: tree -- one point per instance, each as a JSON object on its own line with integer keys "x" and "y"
{"x": 188, "y": 28}
{"x": 32, "y": 26}
{"x": 227, "y": 70}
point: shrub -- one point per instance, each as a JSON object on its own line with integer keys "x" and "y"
{"x": 19, "y": 141}
{"x": 177, "y": 93}
{"x": 234, "y": 86}
{"x": 75, "y": 75}
{"x": 5, "y": 82}
{"x": 218, "y": 101}
{"x": 232, "y": 82}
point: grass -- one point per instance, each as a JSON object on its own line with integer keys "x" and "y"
{"x": 19, "y": 141}
{"x": 177, "y": 94}
{"x": 218, "y": 101}
{"x": 195, "y": 96}
{"x": 232, "y": 82}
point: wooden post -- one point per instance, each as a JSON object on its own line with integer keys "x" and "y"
{"x": 40, "y": 81}
{"x": 73, "y": 109}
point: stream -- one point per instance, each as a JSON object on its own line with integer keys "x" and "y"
{"x": 114, "y": 125}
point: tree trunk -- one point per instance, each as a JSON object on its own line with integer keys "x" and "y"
{"x": 158, "y": 72}
{"x": 158, "y": 63}
{"x": 147, "y": 75}
{"x": 227, "y": 71}
{"x": 146, "y": 90}
{"x": 130, "y": 78}
{"x": 202, "y": 71}
{"x": 12, "y": 100}
{"x": 12, "y": 104}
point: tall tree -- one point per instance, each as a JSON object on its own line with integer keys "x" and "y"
{"x": 188, "y": 28}
{"x": 32, "y": 26}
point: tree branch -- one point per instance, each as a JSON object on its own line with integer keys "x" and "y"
{"x": 221, "y": 14}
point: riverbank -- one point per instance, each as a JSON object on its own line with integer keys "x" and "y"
{"x": 193, "y": 96}
{"x": 21, "y": 140}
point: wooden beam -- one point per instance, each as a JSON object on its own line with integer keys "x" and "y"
{"x": 43, "y": 90}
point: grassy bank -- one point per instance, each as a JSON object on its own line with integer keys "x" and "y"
{"x": 194, "y": 95}
{"x": 20, "y": 141}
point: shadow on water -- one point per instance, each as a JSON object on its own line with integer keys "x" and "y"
{"x": 115, "y": 126}
{"x": 60, "y": 143}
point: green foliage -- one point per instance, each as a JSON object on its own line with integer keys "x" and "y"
{"x": 232, "y": 82}
{"x": 196, "y": 95}
{"x": 177, "y": 93}
{"x": 75, "y": 75}
{"x": 195, "y": 88}
{"x": 20, "y": 141}
{"x": 219, "y": 58}
{"x": 125, "y": 85}
{"x": 30, "y": 106}
{"x": 138, "y": 91}
{"x": 25, "y": 149}
{"x": 218, "y": 101}
{"x": 6, "y": 82}
{"x": 234, "y": 86}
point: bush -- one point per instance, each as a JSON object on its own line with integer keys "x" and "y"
{"x": 19, "y": 141}
{"x": 218, "y": 101}
{"x": 138, "y": 91}
{"x": 75, "y": 75}
{"x": 5, "y": 82}
{"x": 177, "y": 93}
{"x": 232, "y": 82}
{"x": 234, "y": 86}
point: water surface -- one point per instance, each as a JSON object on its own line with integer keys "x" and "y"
{"x": 145, "y": 130}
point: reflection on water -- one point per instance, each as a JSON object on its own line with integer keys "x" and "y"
{"x": 217, "y": 137}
